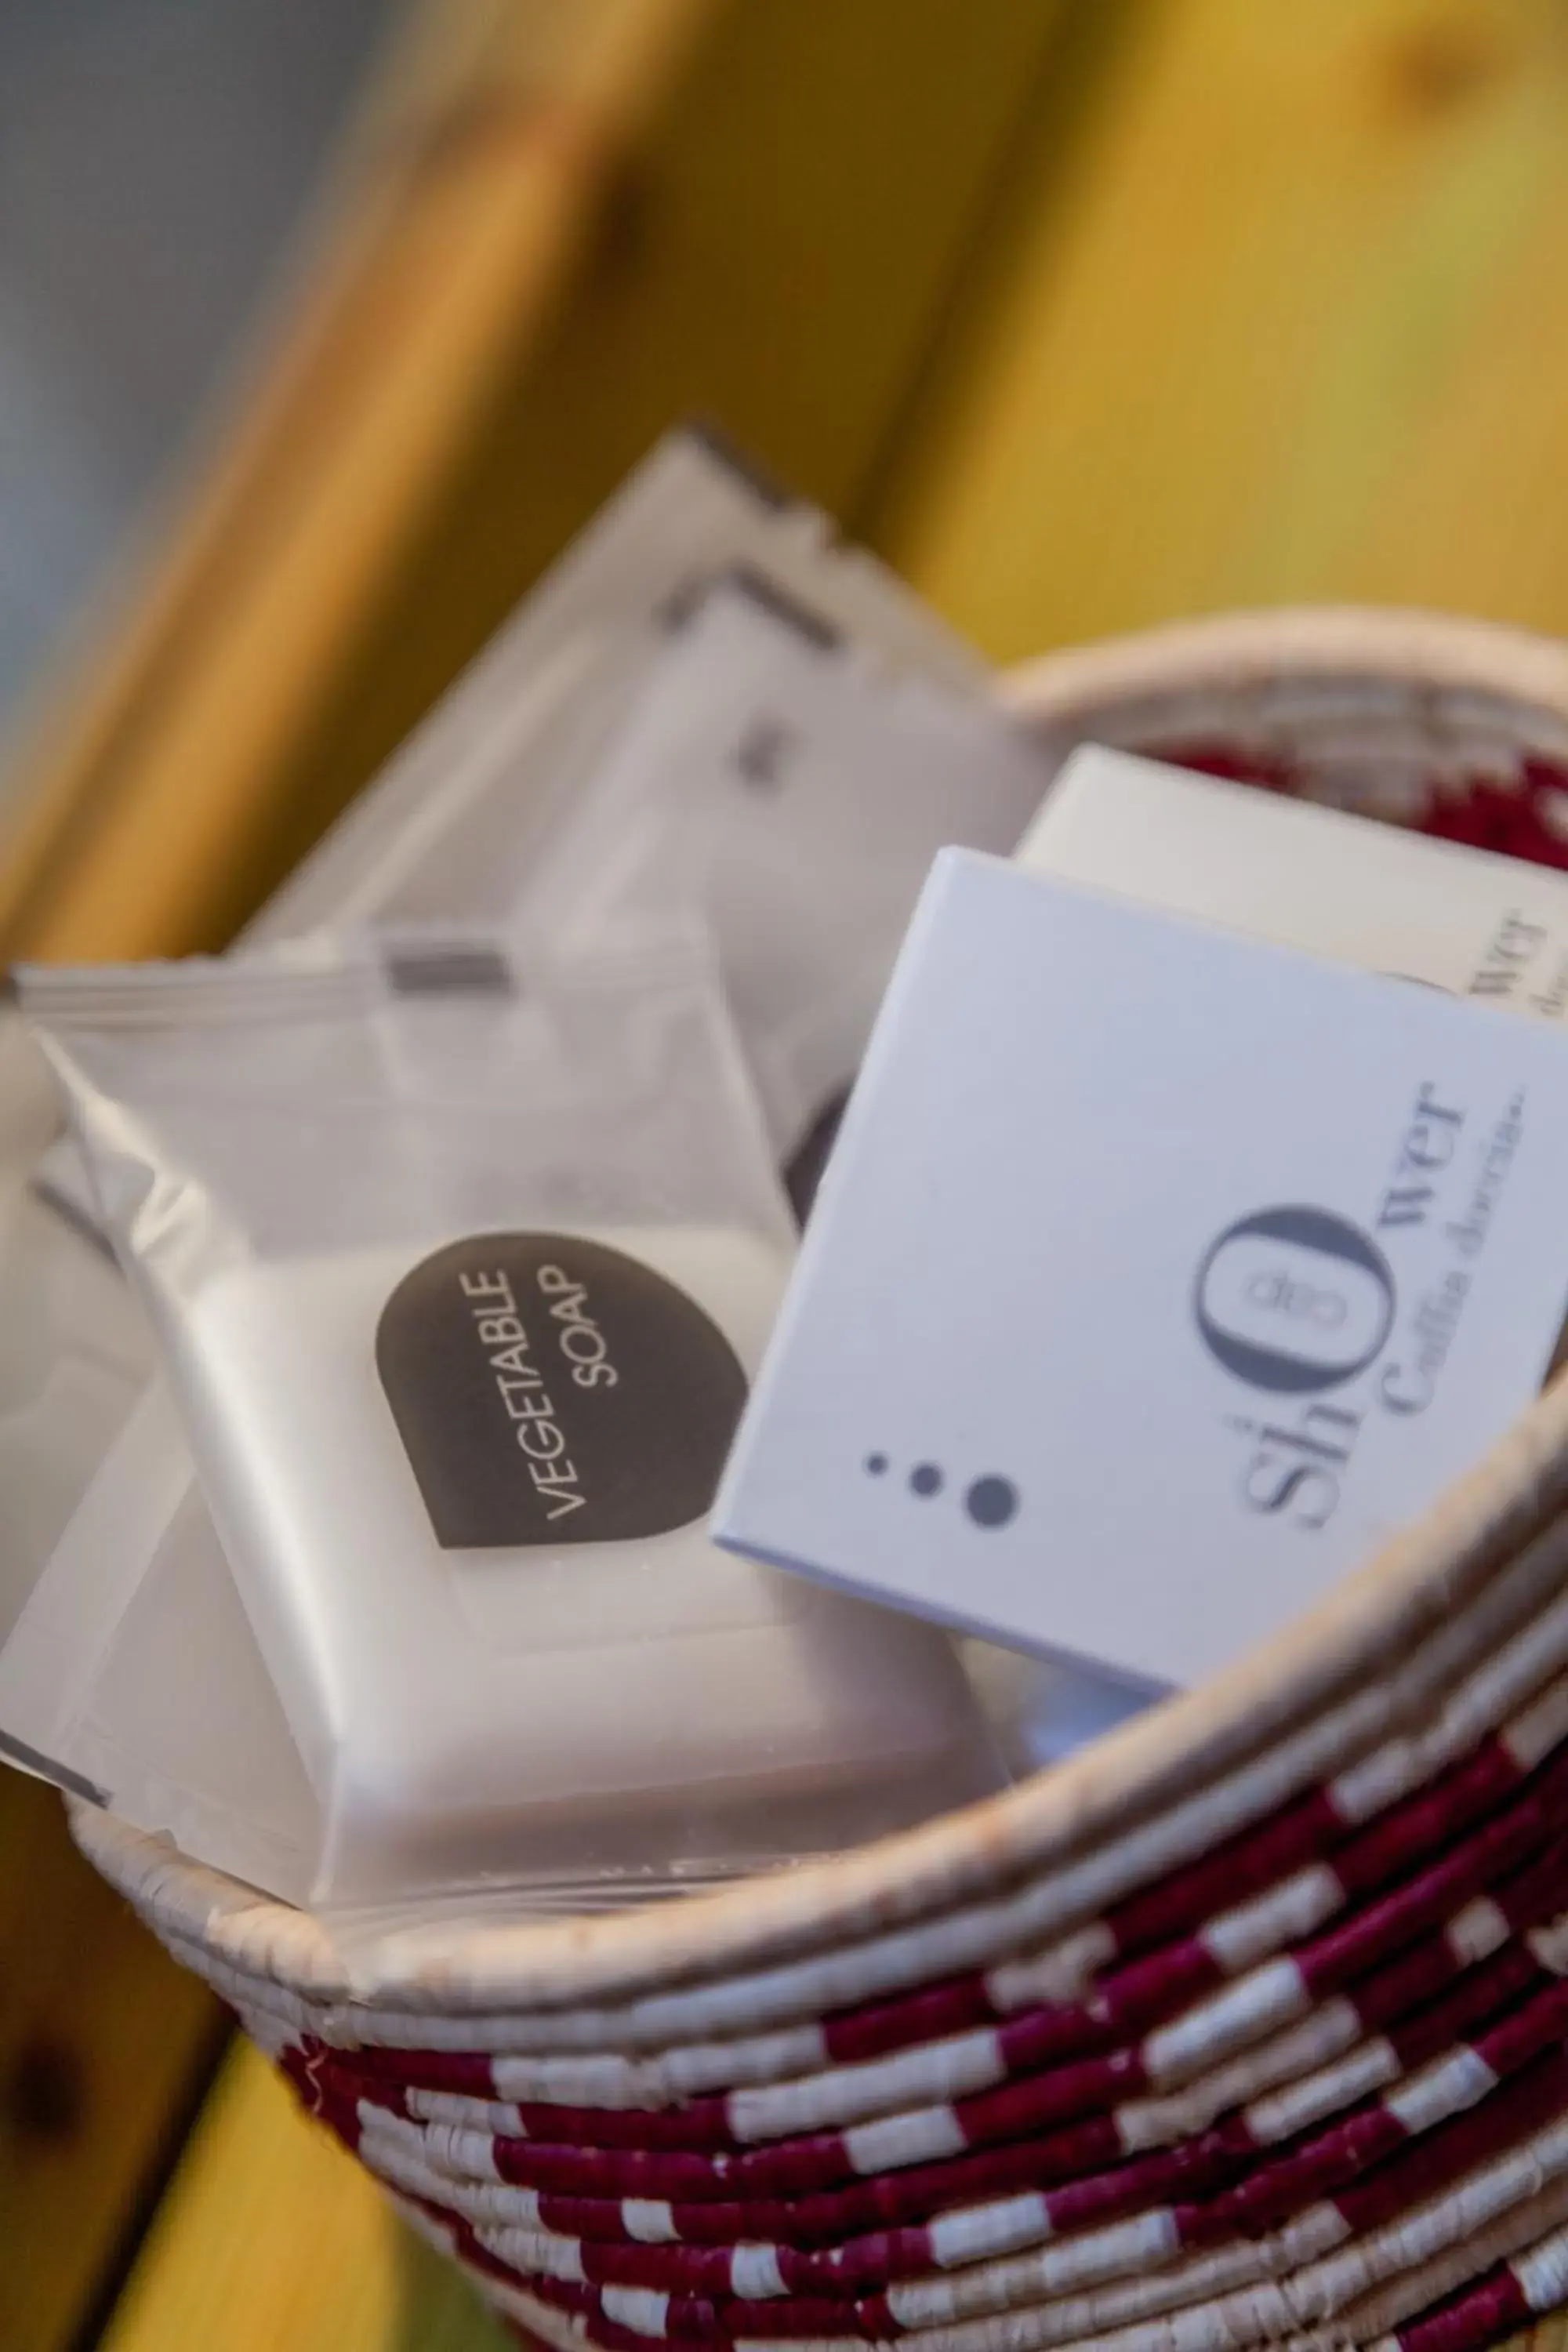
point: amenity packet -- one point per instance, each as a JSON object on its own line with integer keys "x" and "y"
{"x": 459, "y": 1263}
{"x": 778, "y": 786}
{"x": 29, "y": 1107}
{"x": 1235, "y": 1268}
{"x": 455, "y": 816}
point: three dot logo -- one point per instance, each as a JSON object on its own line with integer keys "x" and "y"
{"x": 989, "y": 1500}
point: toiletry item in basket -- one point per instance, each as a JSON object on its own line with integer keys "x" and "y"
{"x": 449, "y": 828}
{"x": 709, "y": 715}
{"x": 1157, "y": 1276}
{"x": 775, "y": 784}
{"x": 1309, "y": 876}
{"x": 459, "y": 1267}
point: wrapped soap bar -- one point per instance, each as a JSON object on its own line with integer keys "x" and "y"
{"x": 1328, "y": 881}
{"x": 73, "y": 1354}
{"x": 459, "y": 1269}
{"x": 781, "y": 786}
{"x": 452, "y": 824}
{"x": 709, "y": 716}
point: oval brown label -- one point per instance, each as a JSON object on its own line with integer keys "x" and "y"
{"x": 549, "y": 1390}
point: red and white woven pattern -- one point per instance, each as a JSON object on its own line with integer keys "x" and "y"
{"x": 1248, "y": 2025}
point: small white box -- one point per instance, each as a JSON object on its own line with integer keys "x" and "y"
{"x": 1306, "y": 876}
{"x": 1157, "y": 1276}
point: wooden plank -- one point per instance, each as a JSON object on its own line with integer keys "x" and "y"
{"x": 102, "y": 2041}
{"x": 272, "y": 2236}
{"x": 1293, "y": 325}
{"x": 667, "y": 205}
{"x": 464, "y": 204}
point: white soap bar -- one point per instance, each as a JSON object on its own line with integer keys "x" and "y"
{"x": 483, "y": 1704}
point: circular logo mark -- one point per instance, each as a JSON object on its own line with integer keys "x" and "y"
{"x": 1294, "y": 1299}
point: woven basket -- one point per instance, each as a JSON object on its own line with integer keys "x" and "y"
{"x": 1247, "y": 2024}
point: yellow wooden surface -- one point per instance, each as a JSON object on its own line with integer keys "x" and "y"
{"x": 595, "y": 216}
{"x": 1292, "y": 322}
{"x": 271, "y": 2239}
{"x": 101, "y": 2041}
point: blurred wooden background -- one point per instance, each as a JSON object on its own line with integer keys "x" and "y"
{"x": 1086, "y": 313}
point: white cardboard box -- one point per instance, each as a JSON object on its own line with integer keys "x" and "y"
{"x": 1157, "y": 1276}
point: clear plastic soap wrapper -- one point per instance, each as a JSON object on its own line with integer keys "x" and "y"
{"x": 781, "y": 788}
{"x": 73, "y": 1347}
{"x": 132, "y": 1677}
{"x": 452, "y": 824}
{"x": 709, "y": 714}
{"x": 459, "y": 1265}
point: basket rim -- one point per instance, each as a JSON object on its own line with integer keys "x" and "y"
{"x": 1405, "y": 1590}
